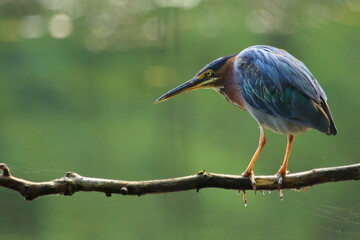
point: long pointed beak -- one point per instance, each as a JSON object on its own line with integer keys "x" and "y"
{"x": 188, "y": 86}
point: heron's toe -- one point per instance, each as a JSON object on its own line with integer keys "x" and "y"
{"x": 280, "y": 178}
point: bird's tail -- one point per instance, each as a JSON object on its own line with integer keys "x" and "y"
{"x": 332, "y": 128}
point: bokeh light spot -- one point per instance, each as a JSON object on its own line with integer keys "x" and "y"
{"x": 32, "y": 27}
{"x": 60, "y": 26}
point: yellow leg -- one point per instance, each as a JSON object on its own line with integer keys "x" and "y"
{"x": 262, "y": 141}
{"x": 283, "y": 169}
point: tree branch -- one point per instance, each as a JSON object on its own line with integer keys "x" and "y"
{"x": 73, "y": 182}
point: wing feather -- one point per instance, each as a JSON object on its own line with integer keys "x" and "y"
{"x": 278, "y": 84}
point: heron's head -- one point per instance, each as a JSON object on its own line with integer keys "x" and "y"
{"x": 211, "y": 76}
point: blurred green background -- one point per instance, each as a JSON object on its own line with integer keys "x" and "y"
{"x": 78, "y": 79}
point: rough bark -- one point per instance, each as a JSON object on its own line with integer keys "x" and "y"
{"x": 73, "y": 182}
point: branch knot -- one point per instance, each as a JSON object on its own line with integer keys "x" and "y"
{"x": 5, "y": 170}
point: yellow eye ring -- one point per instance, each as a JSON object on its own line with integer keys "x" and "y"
{"x": 209, "y": 73}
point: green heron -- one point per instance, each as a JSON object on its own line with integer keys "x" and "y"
{"x": 277, "y": 89}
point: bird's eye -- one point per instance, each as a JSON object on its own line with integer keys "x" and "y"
{"x": 209, "y": 73}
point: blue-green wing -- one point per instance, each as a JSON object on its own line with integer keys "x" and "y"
{"x": 278, "y": 84}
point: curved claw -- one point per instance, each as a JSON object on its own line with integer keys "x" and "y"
{"x": 280, "y": 179}
{"x": 280, "y": 176}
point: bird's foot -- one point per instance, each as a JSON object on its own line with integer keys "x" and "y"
{"x": 280, "y": 178}
{"x": 251, "y": 177}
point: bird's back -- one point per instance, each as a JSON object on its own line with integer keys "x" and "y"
{"x": 280, "y": 92}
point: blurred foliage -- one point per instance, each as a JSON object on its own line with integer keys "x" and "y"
{"x": 78, "y": 79}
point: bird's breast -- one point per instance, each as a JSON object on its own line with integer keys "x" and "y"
{"x": 233, "y": 95}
